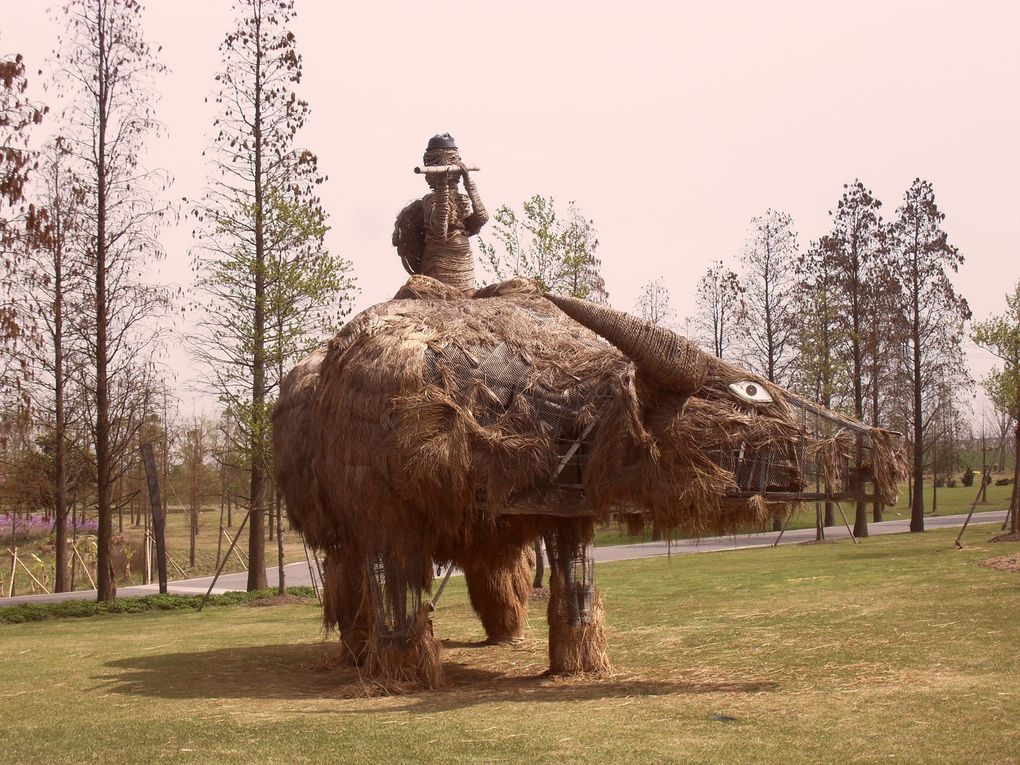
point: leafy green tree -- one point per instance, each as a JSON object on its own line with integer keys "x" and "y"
{"x": 1000, "y": 335}
{"x": 559, "y": 253}
{"x": 263, "y": 272}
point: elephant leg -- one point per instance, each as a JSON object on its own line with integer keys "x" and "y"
{"x": 499, "y": 585}
{"x": 577, "y": 641}
{"x": 401, "y": 650}
{"x": 346, "y": 601}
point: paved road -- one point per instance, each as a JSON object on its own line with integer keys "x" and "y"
{"x": 297, "y": 573}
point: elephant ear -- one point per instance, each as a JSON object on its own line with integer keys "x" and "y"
{"x": 661, "y": 356}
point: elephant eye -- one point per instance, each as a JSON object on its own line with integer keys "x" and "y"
{"x": 751, "y": 392}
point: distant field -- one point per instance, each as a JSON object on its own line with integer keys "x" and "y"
{"x": 900, "y": 649}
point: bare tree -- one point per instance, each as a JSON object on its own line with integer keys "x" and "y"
{"x": 719, "y": 308}
{"x": 107, "y": 70}
{"x": 58, "y": 274}
{"x": 769, "y": 262}
{"x": 654, "y": 304}
{"x": 933, "y": 313}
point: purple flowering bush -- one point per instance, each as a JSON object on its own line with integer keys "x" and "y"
{"x": 36, "y": 526}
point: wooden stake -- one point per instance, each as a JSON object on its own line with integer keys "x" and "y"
{"x": 84, "y": 565}
{"x": 219, "y": 571}
{"x": 439, "y": 592}
{"x": 237, "y": 553}
{"x": 311, "y": 574}
{"x": 14, "y": 555}
{"x": 14, "y": 569}
{"x": 847, "y": 523}
{"x": 970, "y": 515}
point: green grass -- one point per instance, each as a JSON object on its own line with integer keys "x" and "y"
{"x": 951, "y": 501}
{"x": 900, "y": 649}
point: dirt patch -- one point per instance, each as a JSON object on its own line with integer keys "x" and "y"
{"x": 818, "y": 542}
{"x": 1003, "y": 563}
{"x": 1005, "y": 538}
{"x": 279, "y": 600}
{"x": 540, "y": 593}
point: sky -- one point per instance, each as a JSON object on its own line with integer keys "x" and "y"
{"x": 671, "y": 124}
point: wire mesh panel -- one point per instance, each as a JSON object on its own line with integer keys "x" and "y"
{"x": 506, "y": 378}
{"x": 832, "y": 458}
{"x": 573, "y": 563}
{"x": 395, "y": 596}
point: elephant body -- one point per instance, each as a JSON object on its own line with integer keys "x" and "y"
{"x": 444, "y": 427}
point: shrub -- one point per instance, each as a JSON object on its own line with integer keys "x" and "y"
{"x": 35, "y": 612}
{"x": 968, "y": 476}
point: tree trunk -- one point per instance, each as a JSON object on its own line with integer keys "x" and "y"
{"x": 281, "y": 560}
{"x": 257, "y": 526}
{"x": 1014, "y": 501}
{"x": 104, "y": 579}
{"x": 193, "y": 535}
{"x": 62, "y": 582}
{"x": 539, "y": 565}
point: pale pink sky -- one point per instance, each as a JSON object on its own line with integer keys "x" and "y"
{"x": 671, "y": 124}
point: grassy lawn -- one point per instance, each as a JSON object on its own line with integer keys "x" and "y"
{"x": 900, "y": 649}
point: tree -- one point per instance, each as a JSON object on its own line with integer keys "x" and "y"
{"x": 855, "y": 245}
{"x": 933, "y": 315}
{"x": 817, "y": 371}
{"x": 769, "y": 261}
{"x": 560, "y": 255}
{"x": 538, "y": 244}
{"x": 309, "y": 291}
{"x": 108, "y": 69}
{"x": 194, "y": 453}
{"x": 262, "y": 268}
{"x": 56, "y": 293}
{"x": 1000, "y": 335}
{"x": 18, "y": 220}
{"x": 654, "y": 303}
{"x": 719, "y": 308}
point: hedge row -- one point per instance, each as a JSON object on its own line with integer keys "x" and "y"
{"x": 34, "y": 612}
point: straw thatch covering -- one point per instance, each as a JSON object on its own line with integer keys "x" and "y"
{"x": 450, "y": 426}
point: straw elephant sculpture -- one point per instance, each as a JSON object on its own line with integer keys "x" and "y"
{"x": 454, "y": 427}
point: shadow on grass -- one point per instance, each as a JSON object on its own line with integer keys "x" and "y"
{"x": 313, "y": 672}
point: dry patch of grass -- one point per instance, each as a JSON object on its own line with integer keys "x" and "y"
{"x": 1003, "y": 563}
{"x": 895, "y": 650}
